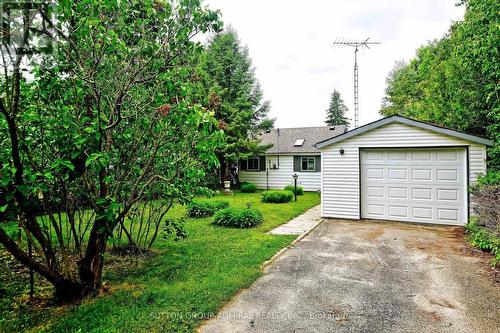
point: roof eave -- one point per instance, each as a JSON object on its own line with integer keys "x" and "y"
{"x": 403, "y": 120}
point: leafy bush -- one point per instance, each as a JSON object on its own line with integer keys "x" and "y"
{"x": 291, "y": 188}
{"x": 485, "y": 199}
{"x": 174, "y": 228}
{"x": 484, "y": 240}
{"x": 200, "y": 209}
{"x": 219, "y": 204}
{"x": 248, "y": 188}
{"x": 277, "y": 196}
{"x": 491, "y": 178}
{"x": 238, "y": 217}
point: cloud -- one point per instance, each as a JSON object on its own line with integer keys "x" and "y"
{"x": 291, "y": 45}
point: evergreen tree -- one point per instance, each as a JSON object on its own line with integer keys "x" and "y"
{"x": 234, "y": 95}
{"x": 335, "y": 115}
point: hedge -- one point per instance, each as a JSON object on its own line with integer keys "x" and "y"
{"x": 248, "y": 188}
{"x": 277, "y": 196}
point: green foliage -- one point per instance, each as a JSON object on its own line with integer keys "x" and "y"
{"x": 200, "y": 209}
{"x": 228, "y": 87}
{"x": 202, "y": 271}
{"x": 277, "y": 196}
{"x": 104, "y": 123}
{"x": 336, "y": 112}
{"x": 174, "y": 228}
{"x": 238, "y": 218}
{"x": 484, "y": 240}
{"x": 291, "y": 188}
{"x": 454, "y": 81}
{"x": 492, "y": 177}
{"x": 219, "y": 204}
{"x": 248, "y": 188}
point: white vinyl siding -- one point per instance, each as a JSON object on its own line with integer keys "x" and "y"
{"x": 340, "y": 173}
{"x": 279, "y": 178}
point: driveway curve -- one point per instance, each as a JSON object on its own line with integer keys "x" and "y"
{"x": 358, "y": 276}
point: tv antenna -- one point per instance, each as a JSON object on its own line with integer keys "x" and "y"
{"x": 357, "y": 44}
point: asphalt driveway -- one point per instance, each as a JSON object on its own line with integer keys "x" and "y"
{"x": 350, "y": 276}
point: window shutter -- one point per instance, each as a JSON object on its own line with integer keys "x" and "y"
{"x": 243, "y": 165}
{"x": 296, "y": 163}
{"x": 262, "y": 163}
{"x": 317, "y": 163}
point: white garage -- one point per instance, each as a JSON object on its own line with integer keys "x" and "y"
{"x": 402, "y": 170}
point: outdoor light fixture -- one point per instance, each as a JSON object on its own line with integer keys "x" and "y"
{"x": 341, "y": 151}
{"x": 295, "y": 177}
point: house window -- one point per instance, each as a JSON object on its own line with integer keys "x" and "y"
{"x": 253, "y": 164}
{"x": 308, "y": 164}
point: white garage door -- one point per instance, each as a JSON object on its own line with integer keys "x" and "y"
{"x": 416, "y": 185}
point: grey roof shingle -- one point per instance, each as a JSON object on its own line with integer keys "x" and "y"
{"x": 283, "y": 139}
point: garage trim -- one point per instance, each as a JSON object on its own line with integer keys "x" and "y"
{"x": 407, "y": 121}
{"x": 361, "y": 149}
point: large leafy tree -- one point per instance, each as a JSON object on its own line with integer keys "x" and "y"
{"x": 454, "y": 81}
{"x": 231, "y": 89}
{"x": 336, "y": 112}
{"x": 101, "y": 124}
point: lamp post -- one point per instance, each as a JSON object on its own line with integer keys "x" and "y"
{"x": 295, "y": 176}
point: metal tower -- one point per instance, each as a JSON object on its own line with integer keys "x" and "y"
{"x": 356, "y": 45}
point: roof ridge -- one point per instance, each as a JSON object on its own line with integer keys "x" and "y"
{"x": 281, "y": 128}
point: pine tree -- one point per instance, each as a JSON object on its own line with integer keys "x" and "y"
{"x": 336, "y": 113}
{"x": 235, "y": 96}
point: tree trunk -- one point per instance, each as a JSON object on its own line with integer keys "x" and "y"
{"x": 223, "y": 171}
{"x": 66, "y": 290}
{"x": 90, "y": 266}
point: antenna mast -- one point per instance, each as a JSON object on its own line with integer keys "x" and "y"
{"x": 356, "y": 44}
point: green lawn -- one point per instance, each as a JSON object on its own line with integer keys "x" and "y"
{"x": 171, "y": 291}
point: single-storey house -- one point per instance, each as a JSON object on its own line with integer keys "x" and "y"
{"x": 400, "y": 169}
{"x": 292, "y": 152}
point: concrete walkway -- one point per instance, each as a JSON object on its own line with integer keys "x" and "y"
{"x": 301, "y": 224}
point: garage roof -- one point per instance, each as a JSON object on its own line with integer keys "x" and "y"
{"x": 403, "y": 120}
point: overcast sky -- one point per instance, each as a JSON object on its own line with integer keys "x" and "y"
{"x": 290, "y": 43}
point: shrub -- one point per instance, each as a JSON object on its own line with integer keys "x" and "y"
{"x": 491, "y": 178}
{"x": 200, "y": 209}
{"x": 219, "y": 204}
{"x": 485, "y": 199}
{"x": 248, "y": 188}
{"x": 484, "y": 240}
{"x": 277, "y": 196}
{"x": 484, "y": 227}
{"x": 238, "y": 218}
{"x": 174, "y": 228}
{"x": 291, "y": 188}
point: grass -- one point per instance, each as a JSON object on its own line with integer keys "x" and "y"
{"x": 171, "y": 291}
